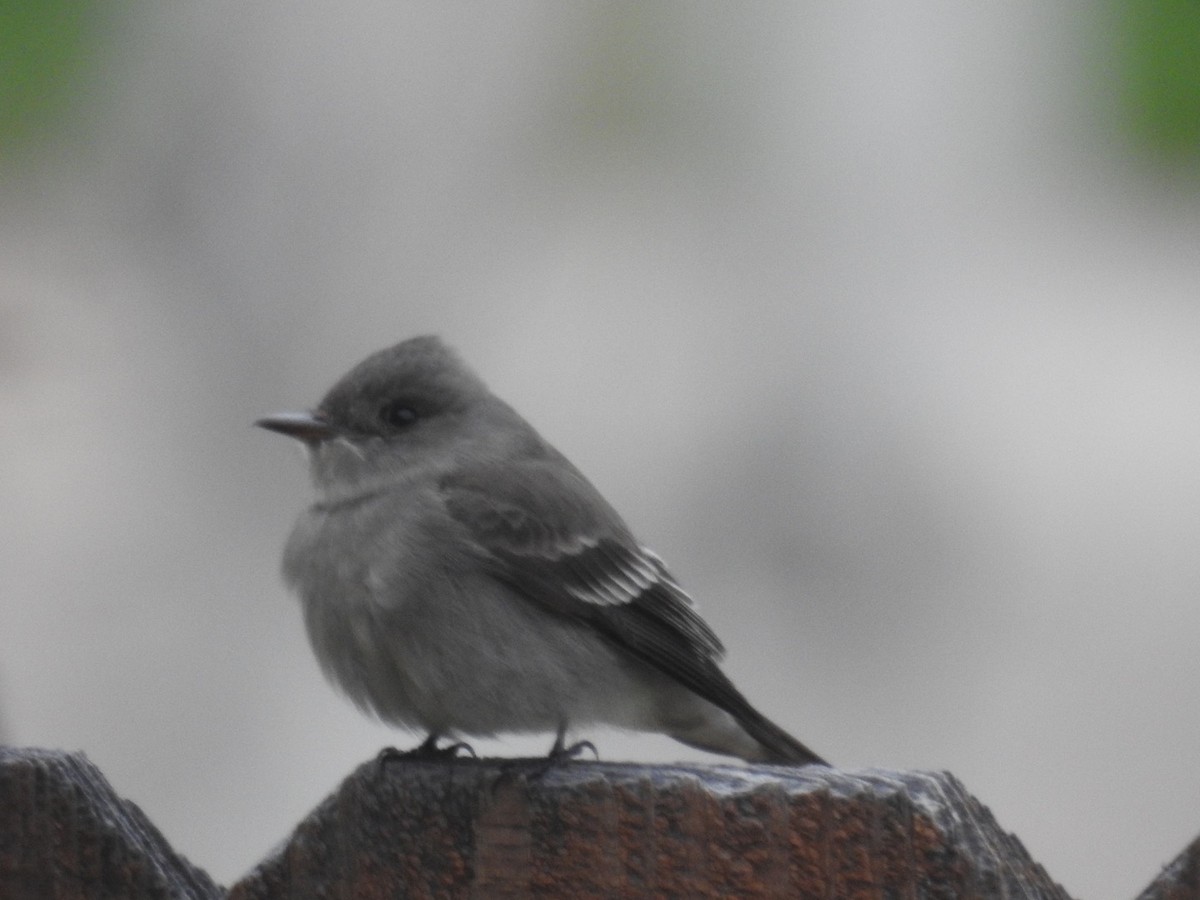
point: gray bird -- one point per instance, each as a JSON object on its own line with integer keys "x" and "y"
{"x": 459, "y": 575}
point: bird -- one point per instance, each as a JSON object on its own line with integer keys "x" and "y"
{"x": 461, "y": 578}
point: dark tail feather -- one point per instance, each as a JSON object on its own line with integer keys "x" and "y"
{"x": 777, "y": 745}
{"x": 734, "y": 728}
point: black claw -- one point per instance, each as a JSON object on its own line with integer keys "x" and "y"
{"x": 559, "y": 753}
{"x": 534, "y": 769}
{"x": 428, "y": 749}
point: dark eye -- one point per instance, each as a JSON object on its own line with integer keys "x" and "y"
{"x": 398, "y": 414}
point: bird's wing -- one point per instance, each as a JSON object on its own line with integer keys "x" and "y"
{"x": 547, "y": 533}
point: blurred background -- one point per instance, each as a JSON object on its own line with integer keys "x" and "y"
{"x": 879, "y": 321}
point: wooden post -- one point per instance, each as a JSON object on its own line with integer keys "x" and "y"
{"x": 64, "y": 835}
{"x": 1180, "y": 880}
{"x": 488, "y": 828}
{"x": 497, "y": 829}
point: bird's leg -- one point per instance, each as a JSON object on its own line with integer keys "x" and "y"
{"x": 428, "y": 749}
{"x": 535, "y": 769}
{"x": 560, "y": 752}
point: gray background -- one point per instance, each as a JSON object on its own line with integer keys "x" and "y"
{"x": 863, "y": 314}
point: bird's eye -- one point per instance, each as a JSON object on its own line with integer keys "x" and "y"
{"x": 398, "y": 414}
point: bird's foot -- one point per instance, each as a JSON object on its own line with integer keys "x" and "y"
{"x": 428, "y": 750}
{"x": 561, "y": 754}
{"x": 535, "y": 769}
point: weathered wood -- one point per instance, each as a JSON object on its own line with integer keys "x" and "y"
{"x": 65, "y": 834}
{"x": 487, "y": 828}
{"x": 495, "y": 828}
{"x": 1180, "y": 880}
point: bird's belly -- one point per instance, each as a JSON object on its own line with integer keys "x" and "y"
{"x": 444, "y": 647}
{"x": 474, "y": 660}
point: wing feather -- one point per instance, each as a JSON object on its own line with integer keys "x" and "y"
{"x": 545, "y": 531}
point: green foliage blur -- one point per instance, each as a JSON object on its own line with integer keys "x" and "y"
{"x": 1160, "y": 76}
{"x": 46, "y": 52}
{"x": 50, "y": 52}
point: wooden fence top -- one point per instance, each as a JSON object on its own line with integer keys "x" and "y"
{"x": 509, "y": 828}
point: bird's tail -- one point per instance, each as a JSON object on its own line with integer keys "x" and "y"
{"x": 737, "y": 729}
{"x": 775, "y": 744}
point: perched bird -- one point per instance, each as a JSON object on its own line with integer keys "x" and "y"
{"x": 459, "y": 575}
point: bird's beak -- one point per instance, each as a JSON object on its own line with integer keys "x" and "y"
{"x": 312, "y": 428}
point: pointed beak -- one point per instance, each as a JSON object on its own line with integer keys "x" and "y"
{"x": 312, "y": 428}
